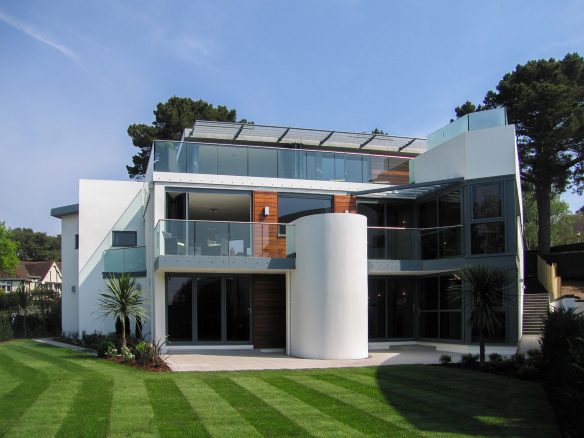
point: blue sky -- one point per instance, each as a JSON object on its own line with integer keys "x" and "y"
{"x": 74, "y": 75}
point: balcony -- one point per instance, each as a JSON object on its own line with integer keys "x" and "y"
{"x": 222, "y": 239}
{"x": 129, "y": 260}
{"x": 470, "y": 122}
{"x": 271, "y": 162}
{"x": 391, "y": 243}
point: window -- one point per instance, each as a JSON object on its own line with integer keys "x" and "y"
{"x": 76, "y": 241}
{"x": 443, "y": 212}
{"x": 6, "y": 286}
{"x": 440, "y": 309}
{"x": 487, "y": 227}
{"x": 124, "y": 238}
{"x": 292, "y": 207}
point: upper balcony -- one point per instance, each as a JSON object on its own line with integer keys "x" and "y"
{"x": 273, "y": 162}
{"x": 469, "y": 122}
{"x": 251, "y": 245}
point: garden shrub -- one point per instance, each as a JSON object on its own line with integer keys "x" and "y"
{"x": 104, "y": 347}
{"x": 445, "y": 359}
{"x": 145, "y": 353}
{"x": 127, "y": 354}
{"x": 111, "y": 350}
{"x": 469, "y": 359}
{"x": 495, "y": 357}
{"x": 6, "y": 331}
{"x": 93, "y": 340}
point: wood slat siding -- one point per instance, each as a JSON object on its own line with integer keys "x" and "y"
{"x": 269, "y": 311}
{"x": 343, "y": 203}
{"x": 266, "y": 242}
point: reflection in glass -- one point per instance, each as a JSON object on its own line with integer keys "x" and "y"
{"x": 488, "y": 237}
{"x": 487, "y": 201}
{"x": 232, "y": 160}
{"x": 377, "y": 308}
{"x": 293, "y": 207}
{"x": 263, "y": 162}
{"x": 237, "y": 309}
{"x": 208, "y": 309}
{"x": 179, "y": 301}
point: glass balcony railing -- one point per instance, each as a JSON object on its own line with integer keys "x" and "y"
{"x": 269, "y": 162}
{"x": 226, "y": 239}
{"x": 390, "y": 243}
{"x": 128, "y": 260}
{"x": 470, "y": 122}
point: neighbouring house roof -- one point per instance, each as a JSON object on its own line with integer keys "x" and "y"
{"x": 65, "y": 210}
{"x": 29, "y": 271}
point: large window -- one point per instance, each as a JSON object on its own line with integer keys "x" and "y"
{"x": 443, "y": 212}
{"x": 208, "y": 308}
{"x": 487, "y": 223}
{"x": 440, "y": 309}
{"x": 292, "y": 207}
{"x": 390, "y": 308}
{"x": 6, "y": 286}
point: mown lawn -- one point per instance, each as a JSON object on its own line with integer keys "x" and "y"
{"x": 47, "y": 391}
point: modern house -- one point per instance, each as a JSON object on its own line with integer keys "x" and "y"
{"x": 325, "y": 244}
{"x": 32, "y": 275}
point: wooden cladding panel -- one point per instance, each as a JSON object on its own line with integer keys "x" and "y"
{"x": 267, "y": 242}
{"x": 343, "y": 203}
{"x": 269, "y": 311}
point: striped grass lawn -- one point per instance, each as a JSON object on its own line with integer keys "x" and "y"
{"x": 47, "y": 391}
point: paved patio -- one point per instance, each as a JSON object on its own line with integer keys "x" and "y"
{"x": 239, "y": 361}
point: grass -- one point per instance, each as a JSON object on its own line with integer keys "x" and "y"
{"x": 47, "y": 391}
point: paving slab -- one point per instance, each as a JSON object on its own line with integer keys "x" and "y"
{"x": 270, "y": 361}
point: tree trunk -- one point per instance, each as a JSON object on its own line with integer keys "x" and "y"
{"x": 543, "y": 198}
{"x": 481, "y": 348}
{"x": 123, "y": 332}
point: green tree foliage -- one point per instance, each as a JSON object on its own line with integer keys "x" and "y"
{"x": 485, "y": 287}
{"x": 8, "y": 248}
{"x": 170, "y": 120}
{"x": 36, "y": 246}
{"x": 562, "y": 221}
{"x": 122, "y": 300}
{"x": 545, "y": 101}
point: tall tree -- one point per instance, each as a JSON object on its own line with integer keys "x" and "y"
{"x": 562, "y": 221}
{"x": 36, "y": 246}
{"x": 170, "y": 120}
{"x": 8, "y": 247}
{"x": 545, "y": 101}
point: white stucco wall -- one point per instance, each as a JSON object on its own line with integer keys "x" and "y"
{"x": 70, "y": 270}
{"x": 474, "y": 154}
{"x": 329, "y": 287}
{"x": 104, "y": 206}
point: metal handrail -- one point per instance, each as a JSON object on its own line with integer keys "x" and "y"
{"x": 413, "y": 228}
{"x": 223, "y": 222}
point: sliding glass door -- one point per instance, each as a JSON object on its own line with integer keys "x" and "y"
{"x": 211, "y": 309}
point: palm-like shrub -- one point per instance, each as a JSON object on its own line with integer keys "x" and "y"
{"x": 485, "y": 287}
{"x": 122, "y": 300}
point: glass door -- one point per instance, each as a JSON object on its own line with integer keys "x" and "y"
{"x": 209, "y": 309}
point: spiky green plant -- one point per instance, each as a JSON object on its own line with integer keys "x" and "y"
{"x": 485, "y": 287}
{"x": 122, "y": 300}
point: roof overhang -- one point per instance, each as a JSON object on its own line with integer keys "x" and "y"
{"x": 315, "y": 138}
{"x": 410, "y": 191}
{"x": 65, "y": 210}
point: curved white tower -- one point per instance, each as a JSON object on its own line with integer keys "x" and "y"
{"x": 329, "y": 287}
